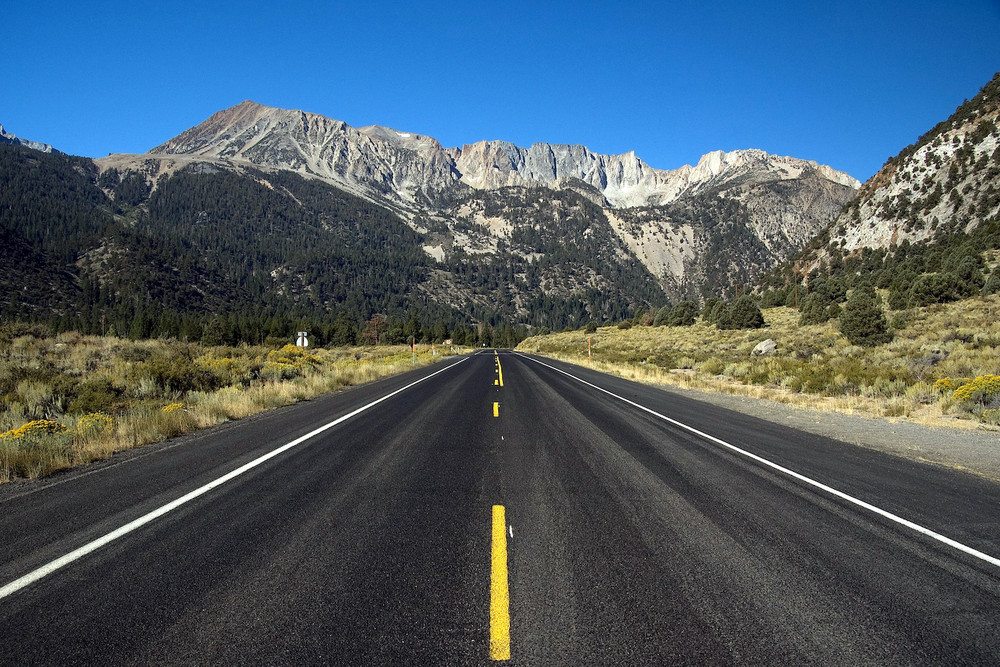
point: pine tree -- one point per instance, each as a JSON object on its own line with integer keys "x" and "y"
{"x": 863, "y": 320}
{"x": 743, "y": 313}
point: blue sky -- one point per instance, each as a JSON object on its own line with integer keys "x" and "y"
{"x": 847, "y": 84}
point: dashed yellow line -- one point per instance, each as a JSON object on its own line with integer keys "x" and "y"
{"x": 499, "y": 594}
{"x": 496, "y": 409}
{"x": 499, "y": 369}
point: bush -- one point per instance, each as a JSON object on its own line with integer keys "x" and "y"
{"x": 33, "y": 429}
{"x": 178, "y": 373}
{"x": 94, "y": 424}
{"x": 661, "y": 316}
{"x": 712, "y": 366}
{"x": 992, "y": 285}
{"x": 712, "y": 310}
{"x": 817, "y": 308}
{"x": 96, "y": 395}
{"x": 935, "y": 288}
{"x": 983, "y": 389}
{"x": 773, "y": 298}
{"x": 862, "y": 320}
{"x": 682, "y": 315}
{"x": 743, "y": 313}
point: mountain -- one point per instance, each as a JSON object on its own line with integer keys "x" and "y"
{"x": 922, "y": 228}
{"x": 271, "y": 215}
{"x": 698, "y": 230}
{"x": 7, "y": 138}
{"x": 949, "y": 179}
{"x": 103, "y": 250}
{"x": 414, "y": 168}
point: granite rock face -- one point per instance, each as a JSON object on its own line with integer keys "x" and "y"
{"x": 411, "y": 167}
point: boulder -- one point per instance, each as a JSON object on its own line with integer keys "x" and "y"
{"x": 764, "y": 348}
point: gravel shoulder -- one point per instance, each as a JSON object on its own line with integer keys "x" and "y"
{"x": 976, "y": 452}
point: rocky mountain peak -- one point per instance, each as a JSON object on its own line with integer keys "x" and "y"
{"x": 409, "y": 167}
{"x": 8, "y": 138}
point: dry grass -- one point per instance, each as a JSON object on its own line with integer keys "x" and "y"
{"x": 100, "y": 395}
{"x": 814, "y": 366}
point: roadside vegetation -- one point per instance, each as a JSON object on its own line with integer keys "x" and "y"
{"x": 933, "y": 364}
{"x": 71, "y": 399}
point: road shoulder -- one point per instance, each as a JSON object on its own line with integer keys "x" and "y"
{"x": 977, "y": 452}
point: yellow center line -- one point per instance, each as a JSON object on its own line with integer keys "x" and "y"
{"x": 499, "y": 594}
{"x": 496, "y": 409}
{"x": 499, "y": 372}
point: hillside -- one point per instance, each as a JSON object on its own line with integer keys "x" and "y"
{"x": 169, "y": 249}
{"x": 922, "y": 228}
{"x": 917, "y": 377}
{"x": 947, "y": 181}
{"x": 106, "y": 252}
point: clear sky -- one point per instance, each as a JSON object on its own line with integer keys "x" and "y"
{"x": 846, "y": 83}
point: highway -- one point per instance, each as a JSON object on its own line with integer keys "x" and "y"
{"x": 501, "y": 507}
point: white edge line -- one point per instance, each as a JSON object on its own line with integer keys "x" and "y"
{"x": 802, "y": 478}
{"x": 80, "y": 552}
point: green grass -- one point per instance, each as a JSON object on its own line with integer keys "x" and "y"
{"x": 70, "y": 400}
{"x": 815, "y": 365}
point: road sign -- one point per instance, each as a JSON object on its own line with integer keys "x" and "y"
{"x": 302, "y": 340}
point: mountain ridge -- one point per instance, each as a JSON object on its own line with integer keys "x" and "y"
{"x": 312, "y": 143}
{"x": 775, "y": 203}
{"x": 8, "y": 138}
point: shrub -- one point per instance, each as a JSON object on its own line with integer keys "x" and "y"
{"x": 862, "y": 320}
{"x": 661, "y": 316}
{"x": 712, "y": 310}
{"x": 682, "y": 315}
{"x": 817, "y": 308}
{"x": 712, "y": 366}
{"x": 773, "y": 298}
{"x": 982, "y": 390}
{"x": 935, "y": 288}
{"x": 277, "y": 370}
{"x": 95, "y": 395}
{"x": 94, "y": 424}
{"x": 178, "y": 373}
{"x": 36, "y": 396}
{"x": 35, "y": 449}
{"x": 992, "y": 285}
{"x": 34, "y": 428}
{"x": 743, "y": 313}
{"x": 899, "y": 297}
{"x": 945, "y": 385}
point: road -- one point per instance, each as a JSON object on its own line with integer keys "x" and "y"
{"x": 638, "y": 527}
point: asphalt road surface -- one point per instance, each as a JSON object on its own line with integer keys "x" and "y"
{"x": 636, "y": 527}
